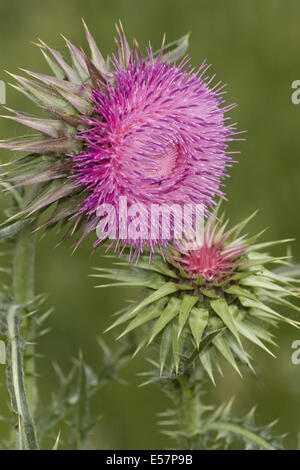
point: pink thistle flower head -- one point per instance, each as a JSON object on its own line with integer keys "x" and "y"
{"x": 215, "y": 257}
{"x": 149, "y": 129}
{"x": 158, "y": 136}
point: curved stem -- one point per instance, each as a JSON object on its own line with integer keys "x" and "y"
{"x": 26, "y": 432}
{"x": 21, "y": 373}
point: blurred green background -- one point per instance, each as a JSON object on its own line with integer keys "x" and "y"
{"x": 254, "y": 47}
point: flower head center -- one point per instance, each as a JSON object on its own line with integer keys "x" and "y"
{"x": 207, "y": 262}
{"x": 159, "y": 166}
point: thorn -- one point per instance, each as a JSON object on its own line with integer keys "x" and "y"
{"x": 28, "y": 315}
{"x": 44, "y": 332}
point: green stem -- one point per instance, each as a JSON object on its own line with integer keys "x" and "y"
{"x": 26, "y": 432}
{"x": 23, "y": 291}
{"x": 185, "y": 392}
{"x": 190, "y": 407}
{"x": 23, "y": 266}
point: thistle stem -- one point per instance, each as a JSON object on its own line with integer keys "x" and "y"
{"x": 23, "y": 290}
{"x": 185, "y": 392}
{"x": 26, "y": 432}
{"x": 23, "y": 381}
{"x": 189, "y": 407}
{"x": 23, "y": 266}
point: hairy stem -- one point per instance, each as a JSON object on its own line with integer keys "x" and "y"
{"x": 23, "y": 370}
{"x": 23, "y": 289}
{"x": 23, "y": 266}
{"x": 26, "y": 432}
{"x": 185, "y": 392}
{"x": 190, "y": 407}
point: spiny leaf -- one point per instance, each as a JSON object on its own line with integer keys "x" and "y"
{"x": 174, "y": 50}
{"x": 165, "y": 346}
{"x": 170, "y": 312}
{"x": 51, "y": 194}
{"x": 55, "y": 447}
{"x": 122, "y": 47}
{"x": 78, "y": 59}
{"x": 59, "y": 85}
{"x": 188, "y": 302}
{"x": 131, "y": 277}
{"x": 64, "y": 209}
{"x": 222, "y": 345}
{"x": 211, "y": 293}
{"x": 58, "y": 72}
{"x": 239, "y": 291}
{"x": 238, "y": 228}
{"x": 242, "y": 355}
{"x": 70, "y": 73}
{"x": 278, "y": 299}
{"x": 260, "y": 246}
{"x": 177, "y": 345}
{"x": 156, "y": 266}
{"x": 205, "y": 359}
{"x": 97, "y": 57}
{"x": 241, "y": 432}
{"x": 246, "y": 331}
{"x": 261, "y": 282}
{"x": 145, "y": 316}
{"x": 145, "y": 340}
{"x": 293, "y": 271}
{"x": 246, "y": 302}
{"x": 45, "y": 96}
{"x": 198, "y": 321}
{"x": 167, "y": 289}
{"x": 52, "y": 127}
{"x": 221, "y": 308}
{"x": 55, "y": 146}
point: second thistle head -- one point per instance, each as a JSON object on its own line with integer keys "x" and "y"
{"x": 209, "y": 299}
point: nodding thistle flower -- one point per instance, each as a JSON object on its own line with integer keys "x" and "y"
{"x": 150, "y": 129}
{"x": 205, "y": 302}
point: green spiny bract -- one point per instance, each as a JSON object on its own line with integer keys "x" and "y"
{"x": 207, "y": 307}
